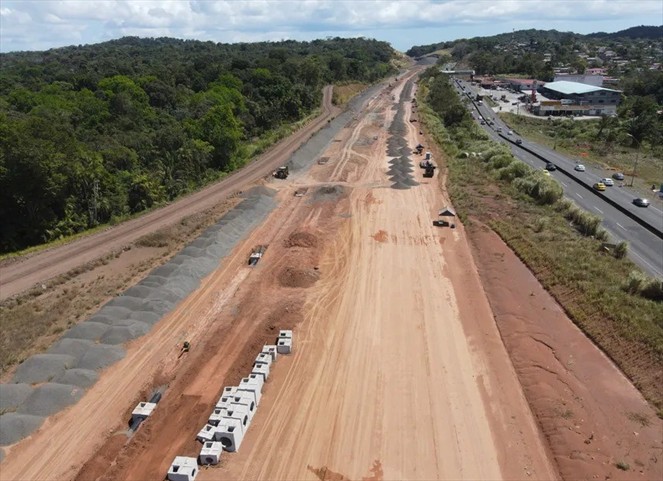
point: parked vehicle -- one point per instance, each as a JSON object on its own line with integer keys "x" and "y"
{"x": 640, "y": 202}
{"x": 600, "y": 186}
{"x": 618, "y": 176}
{"x": 579, "y": 168}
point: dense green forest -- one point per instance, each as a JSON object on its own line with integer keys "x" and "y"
{"x": 92, "y": 133}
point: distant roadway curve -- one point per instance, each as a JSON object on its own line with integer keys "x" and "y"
{"x": 20, "y": 275}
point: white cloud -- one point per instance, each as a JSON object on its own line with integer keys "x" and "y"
{"x": 37, "y": 24}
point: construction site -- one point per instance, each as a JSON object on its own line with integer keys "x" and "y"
{"x": 335, "y": 324}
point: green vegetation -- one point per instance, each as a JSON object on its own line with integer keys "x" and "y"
{"x": 562, "y": 246}
{"x": 606, "y": 142}
{"x": 92, "y": 134}
{"x": 344, "y": 92}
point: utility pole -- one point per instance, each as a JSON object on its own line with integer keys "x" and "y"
{"x": 635, "y": 164}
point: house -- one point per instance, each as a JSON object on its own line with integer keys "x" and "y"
{"x": 519, "y": 84}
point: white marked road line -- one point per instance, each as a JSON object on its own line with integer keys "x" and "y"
{"x": 563, "y": 183}
{"x": 579, "y": 195}
{"x": 598, "y": 209}
{"x": 620, "y": 225}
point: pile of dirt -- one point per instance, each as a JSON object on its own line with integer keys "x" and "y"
{"x": 298, "y": 277}
{"x": 301, "y": 239}
{"x": 327, "y": 193}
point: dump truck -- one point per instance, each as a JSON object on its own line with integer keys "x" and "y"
{"x": 256, "y": 255}
{"x": 281, "y": 173}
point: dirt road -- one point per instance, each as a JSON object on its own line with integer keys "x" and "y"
{"x": 21, "y": 275}
{"x": 398, "y": 370}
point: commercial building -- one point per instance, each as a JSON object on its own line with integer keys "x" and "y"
{"x": 595, "y": 80}
{"x": 574, "y": 98}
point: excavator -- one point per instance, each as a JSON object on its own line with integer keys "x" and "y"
{"x": 185, "y": 348}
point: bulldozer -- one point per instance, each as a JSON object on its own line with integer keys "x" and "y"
{"x": 281, "y": 172}
{"x": 430, "y": 170}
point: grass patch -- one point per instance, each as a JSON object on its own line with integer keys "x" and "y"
{"x": 639, "y": 418}
{"x": 343, "y": 93}
{"x": 563, "y": 247}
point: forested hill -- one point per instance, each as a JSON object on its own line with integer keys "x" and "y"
{"x": 540, "y": 36}
{"x": 643, "y": 31}
{"x": 94, "y": 132}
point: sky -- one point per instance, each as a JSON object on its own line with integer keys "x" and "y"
{"x": 44, "y": 24}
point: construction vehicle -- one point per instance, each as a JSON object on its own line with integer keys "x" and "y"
{"x": 419, "y": 148}
{"x": 256, "y": 255}
{"x": 185, "y": 348}
{"x": 430, "y": 170}
{"x": 281, "y": 172}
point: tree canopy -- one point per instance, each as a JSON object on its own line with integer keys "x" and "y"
{"x": 90, "y": 133}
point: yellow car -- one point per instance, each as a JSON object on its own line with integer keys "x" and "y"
{"x": 600, "y": 186}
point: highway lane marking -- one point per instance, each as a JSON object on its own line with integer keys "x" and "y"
{"x": 598, "y": 209}
{"x": 654, "y": 268}
{"x": 579, "y": 195}
{"x": 621, "y": 226}
{"x": 563, "y": 183}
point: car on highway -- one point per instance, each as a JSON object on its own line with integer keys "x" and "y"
{"x": 618, "y": 176}
{"x": 519, "y": 141}
{"x": 579, "y": 168}
{"x": 483, "y": 122}
{"x": 640, "y": 202}
{"x": 510, "y": 132}
{"x": 499, "y": 129}
{"x": 600, "y": 186}
{"x": 550, "y": 166}
{"x": 608, "y": 182}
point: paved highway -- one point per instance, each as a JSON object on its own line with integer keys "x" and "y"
{"x": 645, "y": 246}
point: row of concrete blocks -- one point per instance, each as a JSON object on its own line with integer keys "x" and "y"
{"x": 231, "y": 417}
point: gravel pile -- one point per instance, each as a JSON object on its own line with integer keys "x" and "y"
{"x": 308, "y": 153}
{"x": 71, "y": 365}
{"x": 400, "y": 166}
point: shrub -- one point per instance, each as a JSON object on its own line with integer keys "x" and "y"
{"x": 501, "y": 160}
{"x": 514, "y": 170}
{"x": 586, "y": 223}
{"x": 634, "y": 282}
{"x": 621, "y": 250}
{"x": 544, "y": 189}
{"x": 652, "y": 289}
